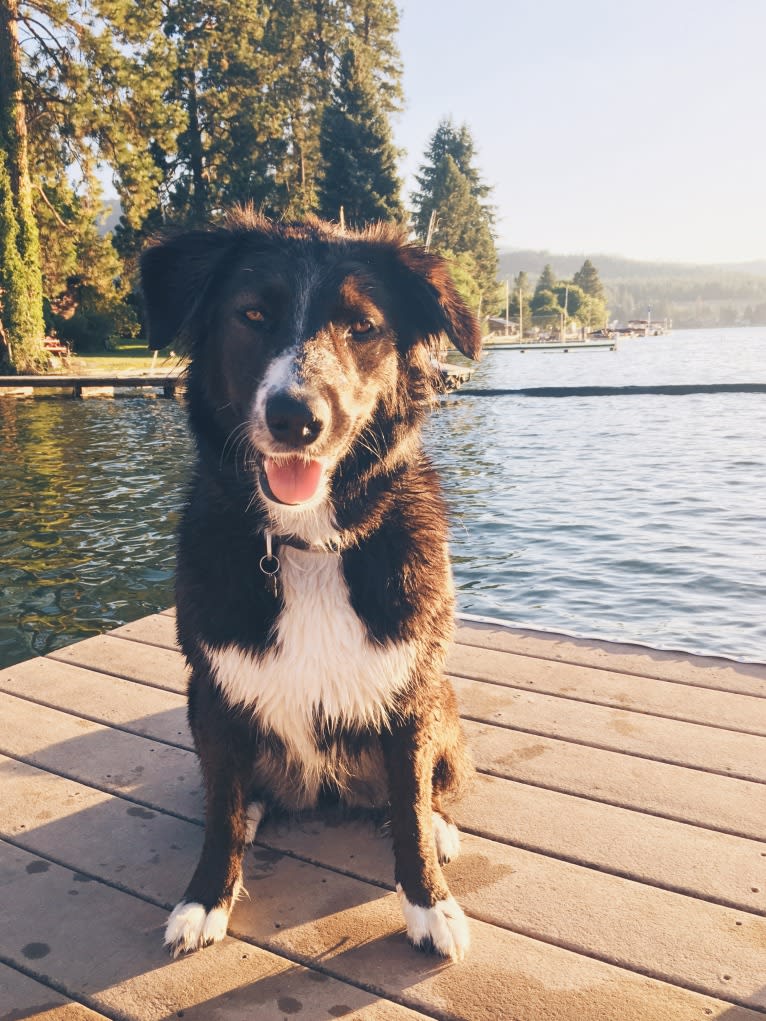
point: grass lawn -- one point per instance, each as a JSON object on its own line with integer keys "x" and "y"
{"x": 128, "y": 356}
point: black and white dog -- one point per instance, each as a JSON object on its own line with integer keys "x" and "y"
{"x": 314, "y": 592}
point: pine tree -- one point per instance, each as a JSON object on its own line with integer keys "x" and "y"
{"x": 448, "y": 140}
{"x": 544, "y": 301}
{"x": 253, "y": 83}
{"x": 373, "y": 25}
{"x": 359, "y": 158}
{"x": 588, "y": 279}
{"x": 454, "y": 196}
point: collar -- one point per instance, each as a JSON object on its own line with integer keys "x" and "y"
{"x": 333, "y": 545}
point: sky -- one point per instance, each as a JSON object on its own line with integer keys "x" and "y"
{"x": 635, "y": 129}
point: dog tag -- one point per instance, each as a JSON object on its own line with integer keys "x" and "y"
{"x": 269, "y": 565}
{"x": 270, "y": 568}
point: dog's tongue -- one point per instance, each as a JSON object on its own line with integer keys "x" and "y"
{"x": 293, "y": 480}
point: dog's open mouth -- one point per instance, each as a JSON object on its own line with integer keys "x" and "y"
{"x": 291, "y": 479}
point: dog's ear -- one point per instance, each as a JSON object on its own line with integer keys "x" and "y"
{"x": 175, "y": 273}
{"x": 437, "y": 306}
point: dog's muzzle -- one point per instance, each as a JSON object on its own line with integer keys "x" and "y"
{"x": 293, "y": 423}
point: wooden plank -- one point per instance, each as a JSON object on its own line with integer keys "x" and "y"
{"x": 673, "y": 856}
{"x": 722, "y": 802}
{"x": 157, "y": 629}
{"x": 101, "y": 756}
{"x": 138, "y": 708}
{"x": 708, "y": 706}
{"x": 697, "y": 671}
{"x": 702, "y": 671}
{"x": 105, "y": 948}
{"x": 711, "y": 865}
{"x": 66, "y": 382}
{"x": 673, "y": 792}
{"x": 686, "y": 744}
{"x": 731, "y": 805}
{"x": 353, "y": 928}
{"x": 24, "y": 998}
{"x": 676, "y": 939}
{"x": 150, "y": 664}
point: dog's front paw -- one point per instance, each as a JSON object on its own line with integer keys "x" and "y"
{"x": 190, "y": 927}
{"x": 442, "y": 928}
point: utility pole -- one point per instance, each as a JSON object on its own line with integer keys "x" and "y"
{"x": 521, "y": 314}
{"x": 507, "y": 307}
{"x": 564, "y": 313}
{"x": 431, "y": 228}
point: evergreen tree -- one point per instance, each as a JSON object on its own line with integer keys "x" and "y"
{"x": 90, "y": 80}
{"x": 588, "y": 279}
{"x": 570, "y": 299}
{"x": 21, "y": 298}
{"x": 448, "y": 140}
{"x": 544, "y": 301}
{"x": 519, "y": 299}
{"x": 358, "y": 155}
{"x": 454, "y": 196}
{"x": 253, "y": 83}
{"x": 547, "y": 280}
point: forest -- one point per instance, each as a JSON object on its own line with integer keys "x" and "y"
{"x": 187, "y": 107}
{"x": 689, "y": 295}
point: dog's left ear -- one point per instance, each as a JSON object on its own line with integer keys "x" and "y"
{"x": 437, "y": 306}
{"x": 174, "y": 276}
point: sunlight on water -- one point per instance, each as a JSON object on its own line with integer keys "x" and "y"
{"x": 89, "y": 503}
{"x": 630, "y": 518}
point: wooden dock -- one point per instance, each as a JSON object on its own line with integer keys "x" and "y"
{"x": 613, "y": 855}
{"x": 565, "y": 346}
{"x": 95, "y": 385}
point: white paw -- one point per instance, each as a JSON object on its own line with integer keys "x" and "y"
{"x": 446, "y": 838}
{"x": 191, "y": 927}
{"x": 443, "y": 928}
{"x": 255, "y": 813}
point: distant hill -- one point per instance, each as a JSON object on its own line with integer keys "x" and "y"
{"x": 690, "y": 294}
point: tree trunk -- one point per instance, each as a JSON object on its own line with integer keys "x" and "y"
{"x": 21, "y": 286}
{"x": 199, "y": 184}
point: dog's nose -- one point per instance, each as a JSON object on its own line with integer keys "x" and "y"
{"x": 292, "y": 421}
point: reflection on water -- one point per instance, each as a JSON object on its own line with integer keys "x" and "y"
{"x": 90, "y": 497}
{"x": 631, "y": 518}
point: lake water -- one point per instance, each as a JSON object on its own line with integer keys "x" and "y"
{"x": 634, "y": 518}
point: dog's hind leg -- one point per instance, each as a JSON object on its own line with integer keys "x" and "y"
{"x": 202, "y": 915}
{"x": 446, "y": 838}
{"x": 452, "y": 770}
{"x": 434, "y": 919}
{"x": 255, "y": 811}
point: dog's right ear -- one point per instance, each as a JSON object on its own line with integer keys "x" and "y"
{"x": 175, "y": 273}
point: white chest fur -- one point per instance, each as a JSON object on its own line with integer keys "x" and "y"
{"x": 321, "y": 661}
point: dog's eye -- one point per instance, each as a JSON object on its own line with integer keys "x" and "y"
{"x": 362, "y": 326}
{"x": 255, "y": 315}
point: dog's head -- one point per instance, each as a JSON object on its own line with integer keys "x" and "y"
{"x": 309, "y": 346}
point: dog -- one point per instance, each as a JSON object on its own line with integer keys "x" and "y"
{"x": 313, "y": 585}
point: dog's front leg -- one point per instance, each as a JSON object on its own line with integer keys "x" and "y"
{"x": 434, "y": 919}
{"x": 202, "y": 916}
